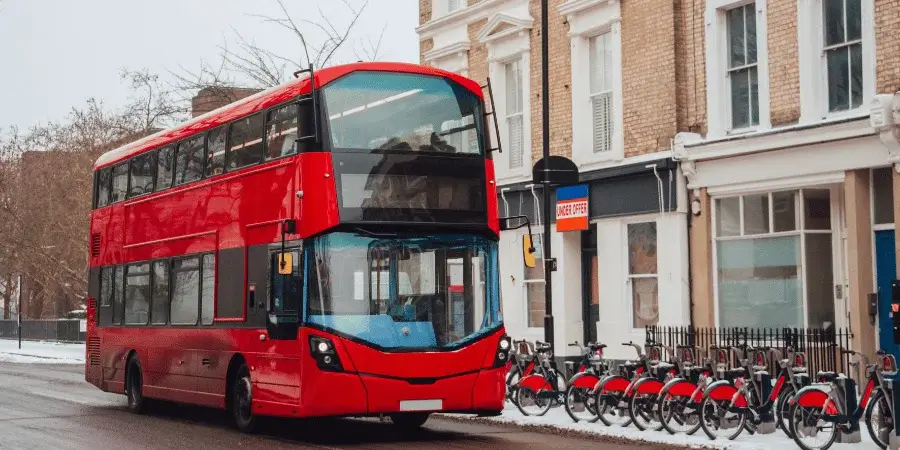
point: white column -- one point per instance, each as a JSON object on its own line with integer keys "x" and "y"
{"x": 567, "y": 301}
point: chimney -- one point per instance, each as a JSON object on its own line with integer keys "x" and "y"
{"x": 210, "y": 98}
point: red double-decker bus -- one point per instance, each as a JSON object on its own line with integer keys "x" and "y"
{"x": 324, "y": 248}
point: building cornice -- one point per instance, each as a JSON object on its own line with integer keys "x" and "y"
{"x": 692, "y": 148}
{"x": 466, "y": 15}
{"x": 576, "y": 6}
{"x": 447, "y": 50}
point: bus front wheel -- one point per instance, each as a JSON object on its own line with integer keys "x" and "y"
{"x": 409, "y": 421}
{"x": 242, "y": 400}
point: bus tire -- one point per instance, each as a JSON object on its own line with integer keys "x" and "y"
{"x": 134, "y": 386}
{"x": 241, "y": 404}
{"x": 409, "y": 421}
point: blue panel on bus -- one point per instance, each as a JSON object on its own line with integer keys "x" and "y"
{"x": 380, "y": 330}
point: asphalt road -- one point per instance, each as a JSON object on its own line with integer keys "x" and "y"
{"x": 51, "y": 407}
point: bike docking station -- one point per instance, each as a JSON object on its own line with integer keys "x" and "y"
{"x": 766, "y": 418}
{"x": 894, "y": 438}
{"x": 852, "y": 436}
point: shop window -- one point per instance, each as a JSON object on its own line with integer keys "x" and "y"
{"x": 759, "y": 281}
{"x": 643, "y": 280}
{"x": 534, "y": 286}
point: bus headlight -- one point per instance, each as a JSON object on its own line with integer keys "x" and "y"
{"x": 502, "y": 357}
{"x": 323, "y": 351}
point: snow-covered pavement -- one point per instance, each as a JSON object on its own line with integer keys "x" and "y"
{"x": 557, "y": 418}
{"x": 41, "y": 352}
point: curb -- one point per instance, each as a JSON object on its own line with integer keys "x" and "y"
{"x": 565, "y": 432}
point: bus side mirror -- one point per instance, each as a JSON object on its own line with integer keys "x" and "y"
{"x": 528, "y": 252}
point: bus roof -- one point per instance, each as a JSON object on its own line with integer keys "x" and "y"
{"x": 263, "y": 100}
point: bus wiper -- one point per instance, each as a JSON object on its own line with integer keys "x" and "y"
{"x": 374, "y": 234}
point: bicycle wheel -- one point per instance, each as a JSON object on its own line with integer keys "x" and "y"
{"x": 642, "y": 411}
{"x": 581, "y": 404}
{"x": 811, "y": 427}
{"x": 718, "y": 419}
{"x": 534, "y": 396}
{"x": 783, "y": 410}
{"x": 678, "y": 414}
{"x": 879, "y": 420}
{"x": 512, "y": 379}
{"x": 611, "y": 407}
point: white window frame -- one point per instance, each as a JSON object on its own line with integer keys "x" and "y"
{"x": 813, "y": 62}
{"x": 629, "y": 277}
{"x": 511, "y": 45}
{"x": 800, "y": 231}
{"x": 508, "y": 115}
{"x": 729, "y": 71}
{"x": 538, "y": 242}
{"x": 588, "y": 19}
{"x": 441, "y": 8}
{"x": 718, "y": 91}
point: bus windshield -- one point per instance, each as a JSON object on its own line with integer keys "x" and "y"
{"x": 437, "y": 291}
{"x": 403, "y": 112}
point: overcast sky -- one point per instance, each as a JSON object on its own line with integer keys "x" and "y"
{"x": 55, "y": 54}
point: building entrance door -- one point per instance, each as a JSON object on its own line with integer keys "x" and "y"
{"x": 886, "y": 272}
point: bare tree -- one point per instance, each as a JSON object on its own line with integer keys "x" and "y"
{"x": 46, "y": 192}
{"x": 241, "y": 62}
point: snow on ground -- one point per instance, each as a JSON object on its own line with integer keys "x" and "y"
{"x": 557, "y": 418}
{"x": 40, "y": 352}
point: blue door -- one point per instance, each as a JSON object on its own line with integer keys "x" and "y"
{"x": 886, "y": 272}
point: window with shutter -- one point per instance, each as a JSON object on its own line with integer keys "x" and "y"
{"x": 601, "y": 97}
{"x": 515, "y": 114}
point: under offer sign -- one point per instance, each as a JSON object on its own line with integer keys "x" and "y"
{"x": 572, "y": 208}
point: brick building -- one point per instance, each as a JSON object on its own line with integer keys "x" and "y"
{"x": 615, "y": 83}
{"x": 773, "y": 126}
{"x": 794, "y": 168}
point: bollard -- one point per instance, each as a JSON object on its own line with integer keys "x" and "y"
{"x": 766, "y": 418}
{"x": 852, "y": 436}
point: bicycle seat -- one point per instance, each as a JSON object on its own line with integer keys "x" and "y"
{"x": 596, "y": 347}
{"x": 827, "y": 377}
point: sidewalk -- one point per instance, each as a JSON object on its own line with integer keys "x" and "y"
{"x": 41, "y": 352}
{"x": 556, "y": 420}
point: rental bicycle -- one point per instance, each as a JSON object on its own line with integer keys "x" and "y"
{"x": 819, "y": 411}
{"x": 544, "y": 388}
{"x": 580, "y": 404}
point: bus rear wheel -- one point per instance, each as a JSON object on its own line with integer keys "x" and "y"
{"x": 134, "y": 384}
{"x": 409, "y": 421}
{"x": 242, "y": 400}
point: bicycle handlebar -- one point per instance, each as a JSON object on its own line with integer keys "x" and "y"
{"x": 640, "y": 351}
